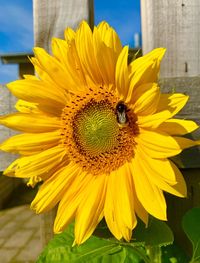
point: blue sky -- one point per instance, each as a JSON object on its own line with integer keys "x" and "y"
{"x": 16, "y": 26}
{"x": 124, "y": 16}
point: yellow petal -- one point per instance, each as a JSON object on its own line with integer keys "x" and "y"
{"x": 120, "y": 203}
{"x": 52, "y": 191}
{"x": 31, "y": 77}
{"x": 110, "y": 37}
{"x": 150, "y": 196}
{"x": 105, "y": 58}
{"x": 168, "y": 106}
{"x": 154, "y": 170}
{"x": 109, "y": 210}
{"x": 181, "y": 186}
{"x": 69, "y": 34}
{"x": 90, "y": 210}
{"x": 85, "y": 49}
{"x": 43, "y": 75}
{"x": 185, "y": 143}
{"x": 71, "y": 200}
{"x": 36, "y": 122}
{"x": 111, "y": 46}
{"x": 178, "y": 127}
{"x": 56, "y": 70}
{"x": 154, "y": 120}
{"x": 156, "y": 56}
{"x": 72, "y": 60}
{"x": 36, "y": 165}
{"x": 139, "y": 209}
{"x": 27, "y": 144}
{"x": 60, "y": 50}
{"x": 144, "y": 70}
{"x": 26, "y": 107}
{"x": 137, "y": 93}
{"x": 76, "y": 68}
{"x": 137, "y": 79}
{"x": 123, "y": 201}
{"x": 37, "y": 91}
{"x": 160, "y": 165}
{"x": 121, "y": 74}
{"x": 172, "y": 102}
{"x": 161, "y": 145}
{"x": 67, "y": 55}
{"x": 34, "y": 180}
{"x": 147, "y": 103}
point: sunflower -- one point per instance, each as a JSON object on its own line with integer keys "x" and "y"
{"x": 97, "y": 132}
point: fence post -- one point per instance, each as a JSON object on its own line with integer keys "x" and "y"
{"x": 50, "y": 20}
{"x": 176, "y": 26}
{"x": 7, "y": 100}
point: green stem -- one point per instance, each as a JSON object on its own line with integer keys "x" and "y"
{"x": 154, "y": 253}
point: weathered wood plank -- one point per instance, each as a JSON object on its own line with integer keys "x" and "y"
{"x": 188, "y": 86}
{"x": 176, "y": 26}
{"x": 52, "y": 17}
{"x": 7, "y": 102}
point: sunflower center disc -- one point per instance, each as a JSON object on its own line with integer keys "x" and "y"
{"x": 96, "y": 128}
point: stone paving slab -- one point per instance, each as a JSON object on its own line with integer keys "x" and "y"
{"x": 19, "y": 235}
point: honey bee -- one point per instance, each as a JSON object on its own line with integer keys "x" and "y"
{"x": 121, "y": 111}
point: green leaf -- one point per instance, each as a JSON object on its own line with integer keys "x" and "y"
{"x": 191, "y": 226}
{"x": 157, "y": 233}
{"x": 94, "y": 250}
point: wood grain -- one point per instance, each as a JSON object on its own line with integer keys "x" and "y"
{"x": 52, "y": 17}
{"x": 176, "y": 26}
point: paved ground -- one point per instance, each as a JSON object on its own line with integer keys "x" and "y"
{"x": 19, "y": 235}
